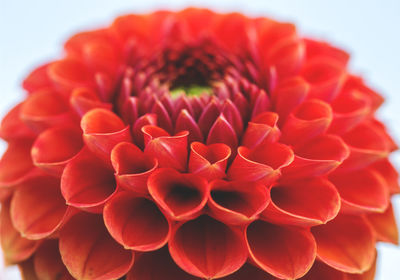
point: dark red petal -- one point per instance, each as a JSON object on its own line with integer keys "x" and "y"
{"x": 207, "y": 248}
{"x": 102, "y": 130}
{"x": 132, "y": 167}
{"x": 186, "y": 122}
{"x": 181, "y": 196}
{"x": 171, "y": 151}
{"x": 353, "y": 249}
{"x": 147, "y": 119}
{"x": 262, "y": 104}
{"x": 261, "y": 129}
{"x": 163, "y": 117}
{"x": 384, "y": 225}
{"x": 44, "y": 109}
{"x": 209, "y": 161}
{"x": 37, "y": 79}
{"x": 48, "y": 264}
{"x": 208, "y": 116}
{"x": 12, "y": 127}
{"x": 136, "y": 222}
{"x": 87, "y": 183}
{"x": 286, "y": 253}
{"x": 223, "y": 132}
{"x": 46, "y": 152}
{"x": 15, "y": 248}
{"x": 361, "y": 191}
{"x": 233, "y": 116}
{"x": 321, "y": 271}
{"x": 237, "y": 202}
{"x": 317, "y": 157}
{"x": 322, "y": 49}
{"x": 33, "y": 216}
{"x": 303, "y": 203}
{"x": 89, "y": 252}
{"x": 166, "y": 269}
{"x": 312, "y": 118}
{"x": 248, "y": 271}
{"x": 260, "y": 164}
{"x": 85, "y": 99}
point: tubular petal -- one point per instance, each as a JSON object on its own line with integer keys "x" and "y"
{"x": 136, "y": 222}
{"x": 102, "y": 130}
{"x": 147, "y": 119}
{"x": 261, "y": 129}
{"x": 89, "y": 252}
{"x": 87, "y": 183}
{"x": 237, "y": 202}
{"x": 34, "y": 217}
{"x": 46, "y": 152}
{"x": 260, "y": 164}
{"x": 209, "y": 161}
{"x": 286, "y": 253}
{"x": 321, "y": 271}
{"x": 171, "y": 151}
{"x": 303, "y": 203}
{"x": 181, "y": 196}
{"x": 384, "y": 225}
{"x": 361, "y": 191}
{"x": 223, "y": 132}
{"x": 12, "y": 127}
{"x": 346, "y": 244}
{"x": 207, "y": 248}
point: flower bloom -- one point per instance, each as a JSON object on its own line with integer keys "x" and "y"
{"x": 196, "y": 145}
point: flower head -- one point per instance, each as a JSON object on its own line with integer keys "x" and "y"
{"x": 196, "y": 145}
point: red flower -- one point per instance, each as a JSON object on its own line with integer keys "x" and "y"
{"x": 196, "y": 145}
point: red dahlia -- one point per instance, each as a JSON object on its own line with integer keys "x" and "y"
{"x": 196, "y": 145}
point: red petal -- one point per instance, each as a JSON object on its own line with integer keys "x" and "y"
{"x": 248, "y": 271}
{"x": 262, "y": 104}
{"x": 136, "y": 223}
{"x": 163, "y": 117}
{"x": 321, "y": 271}
{"x": 181, "y": 196}
{"x": 322, "y": 49}
{"x": 233, "y": 116}
{"x": 186, "y": 122}
{"x": 346, "y": 243}
{"x": 303, "y": 203}
{"x": 87, "y": 183}
{"x": 102, "y": 130}
{"x": 367, "y": 275}
{"x": 89, "y": 252}
{"x": 171, "y": 151}
{"x": 222, "y": 132}
{"x": 262, "y": 128}
{"x": 317, "y": 157}
{"x": 260, "y": 164}
{"x": 208, "y": 116}
{"x": 33, "y": 216}
{"x": 312, "y": 118}
{"x": 15, "y": 247}
{"x": 48, "y": 264}
{"x": 13, "y": 127}
{"x": 237, "y": 202}
{"x": 166, "y": 268}
{"x": 286, "y": 253}
{"x": 207, "y": 248}
{"x": 37, "y": 79}
{"x": 361, "y": 191}
{"x": 46, "y": 152}
{"x": 85, "y": 99}
{"x": 147, "y": 119}
{"x": 209, "y": 161}
{"x": 384, "y": 225}
{"x": 132, "y": 167}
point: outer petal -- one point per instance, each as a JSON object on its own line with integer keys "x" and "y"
{"x": 353, "y": 249}
{"x": 389, "y": 174}
{"x": 384, "y": 225}
{"x": 13, "y": 127}
{"x": 286, "y": 253}
{"x": 207, "y": 248}
{"x": 89, "y": 252}
{"x": 303, "y": 203}
{"x": 132, "y": 167}
{"x": 248, "y": 271}
{"x": 37, "y": 79}
{"x": 136, "y": 222}
{"x": 321, "y": 271}
{"x": 85, "y": 99}
{"x": 181, "y": 196}
{"x": 322, "y": 49}
{"x": 367, "y": 275}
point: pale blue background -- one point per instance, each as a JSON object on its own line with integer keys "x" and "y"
{"x": 32, "y": 32}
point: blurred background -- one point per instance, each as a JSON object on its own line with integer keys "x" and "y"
{"x": 32, "y": 32}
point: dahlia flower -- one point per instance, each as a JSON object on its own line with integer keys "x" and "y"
{"x": 196, "y": 145}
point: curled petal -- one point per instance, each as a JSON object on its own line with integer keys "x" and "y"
{"x": 354, "y": 248}
{"x": 171, "y": 151}
{"x": 186, "y": 122}
{"x": 361, "y": 191}
{"x": 260, "y": 164}
{"x": 284, "y": 252}
{"x": 87, "y": 183}
{"x": 12, "y": 126}
{"x": 89, "y": 252}
{"x": 147, "y": 119}
{"x": 317, "y": 157}
{"x": 102, "y": 130}
{"x": 312, "y": 118}
{"x": 46, "y": 152}
{"x": 223, "y": 132}
{"x": 303, "y": 203}
{"x": 136, "y": 222}
{"x": 37, "y": 79}
{"x": 33, "y": 216}
{"x": 261, "y": 129}
{"x": 237, "y": 202}
{"x": 132, "y": 167}
{"x": 181, "y": 196}
{"x": 384, "y": 225}
{"x": 207, "y": 248}
{"x": 85, "y": 99}
{"x": 321, "y": 271}
{"x": 209, "y": 161}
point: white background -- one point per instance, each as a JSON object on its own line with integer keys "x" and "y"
{"x": 32, "y": 32}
